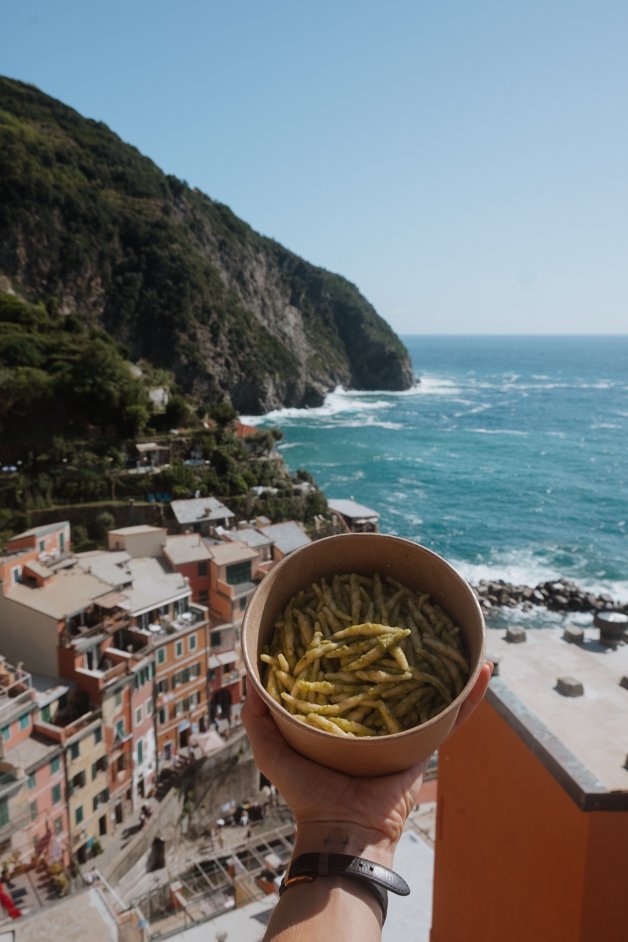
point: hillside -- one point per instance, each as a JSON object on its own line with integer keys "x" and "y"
{"x": 94, "y": 230}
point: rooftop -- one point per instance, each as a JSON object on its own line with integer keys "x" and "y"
{"x": 349, "y": 508}
{"x": 41, "y": 531}
{"x": 567, "y": 729}
{"x": 248, "y": 535}
{"x": 30, "y": 752}
{"x": 287, "y": 537}
{"x": 200, "y": 509}
{"x": 71, "y": 591}
{"x": 135, "y": 530}
{"x": 233, "y": 552}
{"x": 187, "y": 548}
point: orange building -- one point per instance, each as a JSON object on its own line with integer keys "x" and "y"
{"x": 532, "y": 827}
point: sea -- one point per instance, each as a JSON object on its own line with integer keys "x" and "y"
{"x": 509, "y": 457}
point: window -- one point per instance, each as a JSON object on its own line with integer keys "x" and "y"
{"x": 120, "y": 732}
{"x": 98, "y": 735}
{"x": 202, "y": 569}
{"x": 78, "y": 816}
{"x": 203, "y": 596}
{"x": 32, "y": 780}
{"x": 16, "y": 575}
{"x": 192, "y": 642}
{"x": 243, "y": 602}
{"x": 162, "y": 686}
{"x": 24, "y": 721}
{"x": 42, "y": 546}
{"x": 238, "y": 573}
{"x": 54, "y": 765}
{"x": 6, "y": 733}
{"x": 100, "y": 765}
{"x": 46, "y": 715}
{"x": 163, "y": 716}
{"x": 178, "y": 649}
{"x": 140, "y": 751}
{"x": 58, "y": 825}
{"x": 74, "y": 750}
{"x": 161, "y": 655}
{"x": 56, "y": 794}
{"x": 149, "y": 706}
{"x": 138, "y": 716}
{"x": 215, "y": 639}
{"x": 118, "y": 698}
{"x": 33, "y": 809}
{"x": 4, "y": 812}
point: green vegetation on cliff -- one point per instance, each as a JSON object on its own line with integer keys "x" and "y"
{"x": 101, "y": 235}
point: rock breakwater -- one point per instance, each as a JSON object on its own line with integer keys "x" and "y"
{"x": 560, "y": 595}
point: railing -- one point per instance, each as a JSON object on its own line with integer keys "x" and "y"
{"x": 60, "y": 733}
{"x": 12, "y": 702}
{"x": 230, "y": 677}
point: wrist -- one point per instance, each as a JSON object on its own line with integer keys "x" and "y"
{"x": 340, "y": 837}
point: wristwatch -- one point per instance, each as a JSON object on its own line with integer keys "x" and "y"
{"x": 376, "y": 878}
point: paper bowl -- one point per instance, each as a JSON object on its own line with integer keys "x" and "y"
{"x": 364, "y": 553}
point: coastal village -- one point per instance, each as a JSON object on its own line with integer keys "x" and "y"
{"x": 127, "y": 777}
{"x": 120, "y": 673}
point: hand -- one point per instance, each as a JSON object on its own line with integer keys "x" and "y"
{"x": 333, "y": 811}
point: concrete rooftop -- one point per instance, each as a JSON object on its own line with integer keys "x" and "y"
{"x": 592, "y": 727}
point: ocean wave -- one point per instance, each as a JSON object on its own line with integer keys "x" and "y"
{"x": 433, "y": 385}
{"x": 335, "y": 403}
{"x": 499, "y": 431}
{"x": 523, "y": 567}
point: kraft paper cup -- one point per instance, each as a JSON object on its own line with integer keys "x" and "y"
{"x": 365, "y": 553}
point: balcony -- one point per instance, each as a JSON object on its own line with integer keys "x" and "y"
{"x": 230, "y": 677}
{"x": 234, "y": 592}
{"x": 61, "y": 731}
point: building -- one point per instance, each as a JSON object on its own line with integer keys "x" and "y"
{"x": 533, "y": 799}
{"x": 255, "y": 540}
{"x": 140, "y": 540}
{"x": 230, "y": 581}
{"x": 201, "y": 515}
{"x": 49, "y": 541}
{"x": 181, "y": 665}
{"x": 189, "y": 555}
{"x": 286, "y": 537}
{"x": 356, "y": 517}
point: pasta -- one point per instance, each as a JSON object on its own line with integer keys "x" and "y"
{"x": 364, "y": 656}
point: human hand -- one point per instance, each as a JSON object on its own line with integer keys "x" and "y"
{"x": 333, "y": 811}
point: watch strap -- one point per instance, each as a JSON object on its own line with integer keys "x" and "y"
{"x": 377, "y": 878}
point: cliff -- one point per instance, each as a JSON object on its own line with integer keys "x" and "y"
{"x": 94, "y": 229}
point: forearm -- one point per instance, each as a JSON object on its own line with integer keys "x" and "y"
{"x": 327, "y": 908}
{"x": 317, "y": 909}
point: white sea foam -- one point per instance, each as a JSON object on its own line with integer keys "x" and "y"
{"x": 522, "y": 567}
{"x": 337, "y": 402}
{"x": 437, "y": 386}
{"x": 499, "y": 431}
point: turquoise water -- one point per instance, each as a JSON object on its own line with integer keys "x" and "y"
{"x": 509, "y": 457}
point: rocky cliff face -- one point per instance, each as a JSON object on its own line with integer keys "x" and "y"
{"x": 91, "y": 225}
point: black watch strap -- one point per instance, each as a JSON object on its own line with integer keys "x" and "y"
{"x": 377, "y": 878}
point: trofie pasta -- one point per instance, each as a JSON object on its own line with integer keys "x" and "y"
{"x": 364, "y": 656}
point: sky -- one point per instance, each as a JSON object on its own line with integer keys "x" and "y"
{"x": 463, "y": 162}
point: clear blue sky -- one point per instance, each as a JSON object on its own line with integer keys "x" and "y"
{"x": 464, "y": 162}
